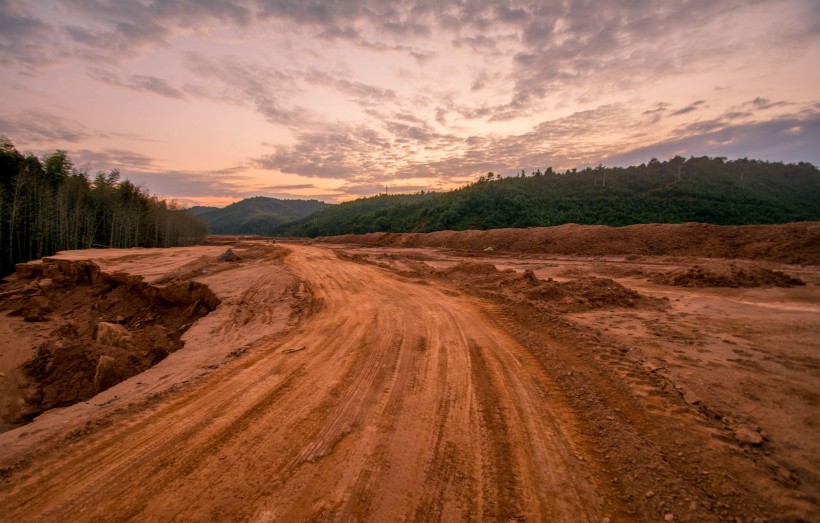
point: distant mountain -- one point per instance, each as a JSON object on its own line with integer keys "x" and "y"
{"x": 257, "y": 215}
{"x": 196, "y": 210}
{"x": 708, "y": 190}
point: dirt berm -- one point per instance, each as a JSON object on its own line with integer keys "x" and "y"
{"x": 797, "y": 243}
{"x": 98, "y": 328}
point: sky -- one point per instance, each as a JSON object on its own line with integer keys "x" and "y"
{"x": 208, "y": 102}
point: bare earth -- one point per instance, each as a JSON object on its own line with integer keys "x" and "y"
{"x": 345, "y": 382}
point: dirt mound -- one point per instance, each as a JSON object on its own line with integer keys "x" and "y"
{"x": 731, "y": 276}
{"x": 471, "y": 269}
{"x": 569, "y": 296}
{"x": 104, "y": 326}
{"x": 789, "y": 243}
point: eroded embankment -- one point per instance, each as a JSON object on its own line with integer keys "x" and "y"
{"x": 94, "y": 329}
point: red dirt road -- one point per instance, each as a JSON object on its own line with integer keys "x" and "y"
{"x": 400, "y": 398}
{"x": 395, "y": 401}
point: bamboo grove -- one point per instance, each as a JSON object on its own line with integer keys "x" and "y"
{"x": 47, "y": 205}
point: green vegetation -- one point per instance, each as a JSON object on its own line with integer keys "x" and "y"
{"x": 709, "y": 190}
{"x": 258, "y": 215}
{"x": 47, "y": 205}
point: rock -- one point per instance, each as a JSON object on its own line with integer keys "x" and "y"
{"x": 27, "y": 271}
{"x": 784, "y": 474}
{"x": 228, "y": 256}
{"x": 40, "y": 304}
{"x": 747, "y": 436}
{"x": 45, "y": 283}
{"x": 156, "y": 355}
{"x": 669, "y": 517}
{"x": 689, "y": 396}
{"x": 649, "y": 494}
{"x": 106, "y": 375}
{"x": 113, "y": 335}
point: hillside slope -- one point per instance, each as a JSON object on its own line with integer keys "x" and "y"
{"x": 257, "y": 215}
{"x": 707, "y": 190}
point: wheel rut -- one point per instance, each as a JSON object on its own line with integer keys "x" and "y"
{"x": 392, "y": 401}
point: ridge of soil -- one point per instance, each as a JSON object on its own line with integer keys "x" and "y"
{"x": 75, "y": 301}
{"x": 526, "y": 288}
{"x": 730, "y": 275}
{"x": 796, "y": 243}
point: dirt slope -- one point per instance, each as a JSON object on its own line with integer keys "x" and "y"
{"x": 789, "y": 243}
{"x": 399, "y": 395}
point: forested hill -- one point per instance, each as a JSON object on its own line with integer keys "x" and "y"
{"x": 47, "y": 205}
{"x": 708, "y": 190}
{"x": 258, "y": 215}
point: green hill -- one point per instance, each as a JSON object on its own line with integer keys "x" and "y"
{"x": 257, "y": 215}
{"x": 708, "y": 190}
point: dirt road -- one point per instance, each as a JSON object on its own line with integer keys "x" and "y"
{"x": 400, "y": 398}
{"x": 394, "y": 401}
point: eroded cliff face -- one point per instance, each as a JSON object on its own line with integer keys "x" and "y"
{"x": 92, "y": 329}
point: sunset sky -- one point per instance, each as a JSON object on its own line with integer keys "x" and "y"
{"x": 209, "y": 102}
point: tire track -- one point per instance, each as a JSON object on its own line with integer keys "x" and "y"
{"x": 402, "y": 402}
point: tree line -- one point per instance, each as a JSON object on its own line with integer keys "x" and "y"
{"x": 695, "y": 189}
{"x": 48, "y": 205}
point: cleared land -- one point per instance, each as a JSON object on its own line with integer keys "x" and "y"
{"x": 343, "y": 381}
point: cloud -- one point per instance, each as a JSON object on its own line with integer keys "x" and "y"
{"x": 143, "y": 83}
{"x": 788, "y": 138}
{"x": 338, "y": 152}
{"x": 110, "y": 158}
{"x": 287, "y": 187}
{"x": 33, "y": 127}
{"x": 363, "y": 93}
{"x": 239, "y": 82}
{"x": 694, "y": 106}
{"x": 760, "y": 104}
{"x": 103, "y": 31}
{"x": 24, "y": 39}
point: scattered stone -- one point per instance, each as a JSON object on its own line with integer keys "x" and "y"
{"x": 106, "y": 375}
{"x": 25, "y": 271}
{"x": 689, "y": 396}
{"x": 113, "y": 335}
{"x": 747, "y": 436}
{"x": 41, "y": 304}
{"x": 156, "y": 355}
{"x": 649, "y": 494}
{"x": 784, "y": 474}
{"x": 228, "y": 256}
{"x": 669, "y": 517}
